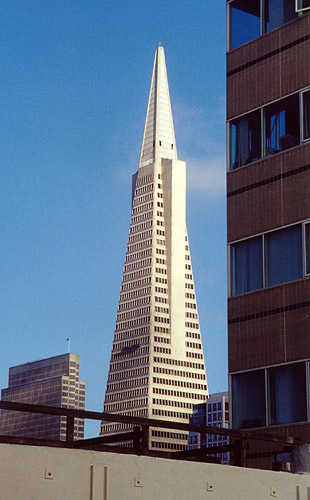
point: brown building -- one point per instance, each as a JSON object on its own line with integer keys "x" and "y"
{"x": 268, "y": 215}
{"x": 52, "y": 382}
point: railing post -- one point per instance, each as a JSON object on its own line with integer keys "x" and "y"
{"x": 145, "y": 439}
{"x": 70, "y": 431}
{"x": 136, "y": 439}
{"x": 240, "y": 452}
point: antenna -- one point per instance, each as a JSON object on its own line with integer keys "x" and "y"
{"x": 68, "y": 344}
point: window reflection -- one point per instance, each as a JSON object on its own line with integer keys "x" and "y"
{"x": 278, "y": 12}
{"x": 245, "y": 21}
{"x": 282, "y": 125}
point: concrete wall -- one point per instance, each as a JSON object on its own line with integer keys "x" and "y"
{"x": 41, "y": 473}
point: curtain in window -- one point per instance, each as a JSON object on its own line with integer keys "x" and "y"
{"x": 283, "y": 255}
{"x": 306, "y": 99}
{"x": 287, "y": 394}
{"x": 247, "y": 266}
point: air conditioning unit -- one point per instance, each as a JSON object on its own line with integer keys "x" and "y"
{"x": 302, "y": 5}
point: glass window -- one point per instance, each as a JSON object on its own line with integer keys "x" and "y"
{"x": 247, "y": 265}
{"x": 281, "y": 125}
{"x": 303, "y": 5}
{"x": 245, "y": 22}
{"x": 245, "y": 140}
{"x": 248, "y": 400}
{"x": 306, "y": 115}
{"x": 307, "y": 230}
{"x": 284, "y": 255}
{"x": 287, "y": 394}
{"x": 278, "y": 12}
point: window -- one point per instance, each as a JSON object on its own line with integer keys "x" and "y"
{"x": 302, "y": 5}
{"x": 277, "y": 13}
{"x": 284, "y": 255}
{"x": 307, "y": 249}
{"x": 245, "y": 139}
{"x": 270, "y": 259}
{"x": 249, "y": 405}
{"x": 287, "y": 394}
{"x": 306, "y": 115}
{"x": 282, "y": 390}
{"x": 281, "y": 130}
{"x": 247, "y": 265}
{"x": 245, "y": 22}
{"x": 281, "y": 125}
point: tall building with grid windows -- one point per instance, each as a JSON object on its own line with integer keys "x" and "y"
{"x": 52, "y": 382}
{"x": 157, "y": 365}
{"x": 214, "y": 412}
{"x": 268, "y": 217}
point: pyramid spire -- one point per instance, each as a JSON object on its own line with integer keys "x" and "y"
{"x": 158, "y": 138}
{"x": 157, "y": 365}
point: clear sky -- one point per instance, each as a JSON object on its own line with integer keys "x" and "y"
{"x": 74, "y": 91}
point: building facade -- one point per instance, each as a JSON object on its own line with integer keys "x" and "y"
{"x": 157, "y": 365}
{"x": 268, "y": 216}
{"x": 52, "y": 382}
{"x": 214, "y": 412}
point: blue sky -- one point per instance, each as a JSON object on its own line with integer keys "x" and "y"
{"x": 75, "y": 83}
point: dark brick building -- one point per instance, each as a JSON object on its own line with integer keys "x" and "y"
{"x": 268, "y": 215}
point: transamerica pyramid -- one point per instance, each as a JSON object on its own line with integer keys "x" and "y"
{"x": 157, "y": 367}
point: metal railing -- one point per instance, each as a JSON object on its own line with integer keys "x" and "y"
{"x": 139, "y": 435}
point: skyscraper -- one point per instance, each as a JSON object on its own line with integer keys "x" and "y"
{"x": 52, "y": 382}
{"x": 157, "y": 366}
{"x": 213, "y": 412}
{"x": 268, "y": 217}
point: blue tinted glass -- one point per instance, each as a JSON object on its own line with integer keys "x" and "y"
{"x": 247, "y": 266}
{"x": 245, "y": 22}
{"x": 282, "y": 125}
{"x": 284, "y": 255}
{"x": 278, "y": 12}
